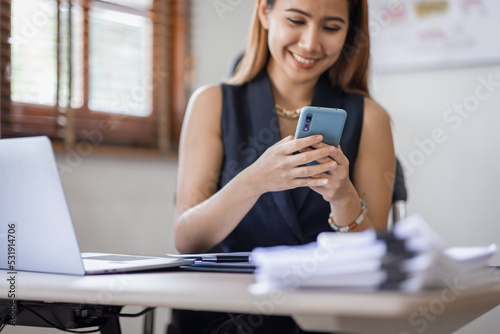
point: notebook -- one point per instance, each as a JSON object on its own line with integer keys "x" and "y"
{"x": 36, "y": 231}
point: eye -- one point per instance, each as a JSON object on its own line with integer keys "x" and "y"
{"x": 296, "y": 22}
{"x": 332, "y": 29}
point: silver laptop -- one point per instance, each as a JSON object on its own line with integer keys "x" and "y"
{"x": 36, "y": 231}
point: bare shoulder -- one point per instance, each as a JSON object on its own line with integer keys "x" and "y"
{"x": 206, "y": 100}
{"x": 377, "y": 133}
{"x": 208, "y": 92}
{"x": 204, "y": 110}
{"x": 375, "y": 114}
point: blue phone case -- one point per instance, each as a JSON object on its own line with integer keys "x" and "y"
{"x": 328, "y": 122}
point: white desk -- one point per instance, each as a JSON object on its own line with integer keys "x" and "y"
{"x": 442, "y": 311}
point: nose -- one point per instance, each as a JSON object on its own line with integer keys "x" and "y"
{"x": 310, "y": 39}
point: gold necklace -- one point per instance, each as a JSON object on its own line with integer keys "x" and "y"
{"x": 281, "y": 111}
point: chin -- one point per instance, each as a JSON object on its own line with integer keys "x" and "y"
{"x": 303, "y": 76}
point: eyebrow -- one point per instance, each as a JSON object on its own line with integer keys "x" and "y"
{"x": 327, "y": 18}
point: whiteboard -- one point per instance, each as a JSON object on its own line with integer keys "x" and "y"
{"x": 419, "y": 34}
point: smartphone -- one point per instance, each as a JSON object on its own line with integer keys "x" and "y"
{"x": 328, "y": 122}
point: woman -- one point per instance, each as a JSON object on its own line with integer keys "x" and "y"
{"x": 242, "y": 179}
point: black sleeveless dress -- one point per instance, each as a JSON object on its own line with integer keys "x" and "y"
{"x": 249, "y": 126}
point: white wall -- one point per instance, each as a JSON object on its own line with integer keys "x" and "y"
{"x": 122, "y": 204}
{"x": 452, "y": 178}
{"x": 219, "y": 35}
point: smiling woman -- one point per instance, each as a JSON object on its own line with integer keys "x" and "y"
{"x": 349, "y": 72}
{"x": 255, "y": 187}
{"x": 303, "y": 43}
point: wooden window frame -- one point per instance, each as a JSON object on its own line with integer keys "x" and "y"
{"x": 5, "y": 56}
{"x": 159, "y": 130}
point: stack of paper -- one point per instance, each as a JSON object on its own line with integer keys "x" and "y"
{"x": 410, "y": 258}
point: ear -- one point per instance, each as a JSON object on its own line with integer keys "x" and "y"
{"x": 263, "y": 12}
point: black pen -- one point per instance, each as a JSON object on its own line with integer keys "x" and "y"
{"x": 224, "y": 258}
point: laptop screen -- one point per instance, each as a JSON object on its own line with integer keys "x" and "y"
{"x": 34, "y": 217}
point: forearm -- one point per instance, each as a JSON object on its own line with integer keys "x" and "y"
{"x": 204, "y": 225}
{"x": 205, "y": 220}
{"x": 348, "y": 208}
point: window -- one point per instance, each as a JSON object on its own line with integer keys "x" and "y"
{"x": 112, "y": 70}
{"x": 34, "y": 52}
{"x": 120, "y": 41}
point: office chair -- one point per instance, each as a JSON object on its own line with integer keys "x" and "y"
{"x": 399, "y": 194}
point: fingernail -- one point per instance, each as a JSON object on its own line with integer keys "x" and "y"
{"x": 333, "y": 165}
{"x": 332, "y": 149}
{"x": 325, "y": 181}
{"x": 319, "y": 138}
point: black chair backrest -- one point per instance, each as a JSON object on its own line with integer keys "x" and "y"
{"x": 399, "y": 193}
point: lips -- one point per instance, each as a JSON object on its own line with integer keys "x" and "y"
{"x": 302, "y": 61}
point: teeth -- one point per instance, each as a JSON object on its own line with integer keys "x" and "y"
{"x": 303, "y": 60}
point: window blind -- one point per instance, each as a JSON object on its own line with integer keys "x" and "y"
{"x": 110, "y": 71}
{"x": 5, "y": 10}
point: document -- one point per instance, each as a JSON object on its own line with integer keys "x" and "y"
{"x": 411, "y": 258}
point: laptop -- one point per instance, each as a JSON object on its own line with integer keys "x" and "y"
{"x": 36, "y": 231}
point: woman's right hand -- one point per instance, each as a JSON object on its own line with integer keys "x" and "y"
{"x": 278, "y": 168}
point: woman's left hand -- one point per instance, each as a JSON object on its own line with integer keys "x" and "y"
{"x": 340, "y": 185}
